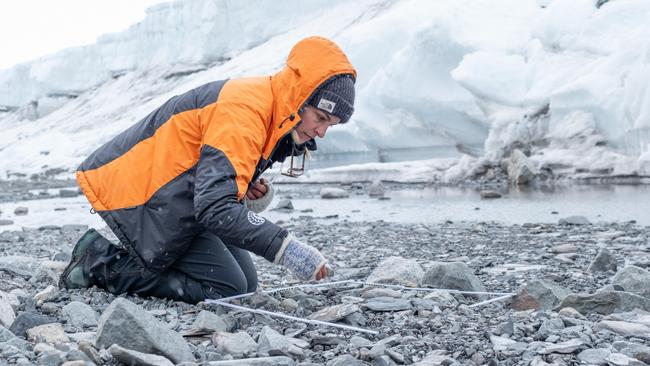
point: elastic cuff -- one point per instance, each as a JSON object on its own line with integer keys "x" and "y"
{"x": 283, "y": 247}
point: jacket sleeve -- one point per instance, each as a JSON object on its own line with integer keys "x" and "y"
{"x": 233, "y": 139}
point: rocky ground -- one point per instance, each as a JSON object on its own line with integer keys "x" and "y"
{"x": 582, "y": 297}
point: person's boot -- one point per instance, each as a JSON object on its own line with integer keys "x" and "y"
{"x": 73, "y": 275}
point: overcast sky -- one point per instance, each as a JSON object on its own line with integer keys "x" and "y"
{"x": 33, "y": 28}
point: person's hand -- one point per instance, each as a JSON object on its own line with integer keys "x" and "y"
{"x": 303, "y": 261}
{"x": 258, "y": 190}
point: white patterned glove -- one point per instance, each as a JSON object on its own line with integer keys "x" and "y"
{"x": 302, "y": 260}
{"x": 263, "y": 202}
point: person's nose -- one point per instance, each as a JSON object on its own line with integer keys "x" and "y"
{"x": 321, "y": 130}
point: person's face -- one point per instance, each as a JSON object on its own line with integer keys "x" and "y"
{"x": 314, "y": 122}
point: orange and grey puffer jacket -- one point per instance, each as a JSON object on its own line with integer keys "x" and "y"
{"x": 186, "y": 167}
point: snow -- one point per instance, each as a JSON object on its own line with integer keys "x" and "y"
{"x": 567, "y": 79}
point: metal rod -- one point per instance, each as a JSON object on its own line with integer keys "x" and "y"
{"x": 432, "y": 289}
{"x": 491, "y": 300}
{"x": 309, "y": 285}
{"x": 280, "y": 315}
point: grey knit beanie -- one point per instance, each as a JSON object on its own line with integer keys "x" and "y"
{"x": 336, "y": 97}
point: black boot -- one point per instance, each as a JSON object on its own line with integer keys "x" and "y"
{"x": 74, "y": 275}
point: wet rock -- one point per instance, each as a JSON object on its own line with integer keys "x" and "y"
{"x": 570, "y": 346}
{"x": 452, "y": 275}
{"x": 79, "y": 315}
{"x": 486, "y": 195}
{"x": 21, "y": 211}
{"x": 626, "y": 329}
{"x": 539, "y": 295}
{"x": 49, "y": 333}
{"x": 376, "y": 190}
{"x": 261, "y": 361}
{"x": 594, "y": 356}
{"x": 574, "y": 220}
{"x": 131, "y": 357}
{"x": 603, "y": 262}
{"x": 398, "y": 271}
{"x": 236, "y": 344}
{"x": 334, "y": 313}
{"x": 126, "y": 324}
{"x": 564, "y": 248}
{"x": 332, "y": 192}
{"x": 606, "y": 302}
{"x": 633, "y": 279}
{"x": 27, "y": 320}
{"x": 387, "y": 304}
{"x": 521, "y": 170}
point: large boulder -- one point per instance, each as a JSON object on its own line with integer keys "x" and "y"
{"x": 397, "y": 271}
{"x": 452, "y": 276}
{"x": 128, "y": 325}
{"x": 539, "y": 295}
{"x": 520, "y": 169}
{"x": 605, "y": 302}
{"x": 633, "y": 279}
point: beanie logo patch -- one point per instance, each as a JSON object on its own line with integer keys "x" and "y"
{"x": 326, "y": 105}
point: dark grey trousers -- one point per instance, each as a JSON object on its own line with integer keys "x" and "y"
{"x": 209, "y": 269}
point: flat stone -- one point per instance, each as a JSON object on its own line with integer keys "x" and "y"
{"x": 48, "y": 294}
{"x": 332, "y": 193}
{"x": 128, "y": 325}
{"x": 569, "y": 346}
{"x": 359, "y": 342}
{"x": 271, "y": 340}
{"x": 452, "y": 275}
{"x": 7, "y": 314}
{"x": 260, "y": 361}
{"x": 501, "y": 343}
{"x": 345, "y": 360}
{"x": 22, "y": 266}
{"x": 564, "y": 248}
{"x": 487, "y": 194}
{"x": 570, "y": 312}
{"x": 603, "y": 262}
{"x": 510, "y": 268}
{"x": 539, "y": 295}
{"x": 369, "y": 293}
{"x": 635, "y": 350}
{"x": 74, "y": 227}
{"x": 388, "y": 304}
{"x": 594, "y": 356}
{"x": 79, "y": 315}
{"x": 27, "y": 320}
{"x": 574, "y": 220}
{"x": 5, "y": 334}
{"x": 605, "y": 302}
{"x": 235, "y": 344}
{"x": 21, "y": 211}
{"x": 334, "y": 313}
{"x": 398, "y": 271}
{"x": 284, "y": 204}
{"x": 131, "y": 357}
{"x": 625, "y": 328}
{"x": 619, "y": 359}
{"x": 49, "y": 333}
{"x": 68, "y": 193}
{"x": 436, "y": 358}
{"x": 4, "y": 222}
{"x": 442, "y": 298}
{"x": 633, "y": 279}
{"x": 209, "y": 322}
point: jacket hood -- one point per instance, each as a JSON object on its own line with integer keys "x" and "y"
{"x": 311, "y": 62}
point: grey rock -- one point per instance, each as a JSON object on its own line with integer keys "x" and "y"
{"x": 436, "y": 358}
{"x": 74, "y": 227}
{"x": 570, "y": 346}
{"x": 332, "y": 193}
{"x": 564, "y": 248}
{"x": 539, "y": 295}
{"x": 79, "y": 315}
{"x": 235, "y": 344}
{"x": 452, "y": 275}
{"x": 334, "y": 313}
{"x": 398, "y": 271}
{"x": 68, "y": 193}
{"x": 4, "y": 222}
{"x": 383, "y": 360}
{"x": 603, "y": 262}
{"x": 369, "y": 293}
{"x": 27, "y": 320}
{"x": 548, "y": 327}
{"x": 48, "y": 294}
{"x": 574, "y": 220}
{"x": 135, "y": 358}
{"x": 21, "y": 211}
{"x": 387, "y": 304}
{"x": 5, "y": 334}
{"x": 626, "y": 329}
{"x": 128, "y": 325}
{"x": 210, "y": 322}
{"x": 638, "y": 351}
{"x": 605, "y": 302}
{"x": 520, "y": 169}
{"x": 594, "y": 356}
{"x": 49, "y": 333}
{"x": 284, "y": 204}
{"x": 260, "y": 361}
{"x": 345, "y": 360}
{"x": 22, "y": 266}
{"x": 270, "y": 340}
{"x": 90, "y": 351}
{"x": 7, "y": 314}
{"x": 359, "y": 342}
{"x": 619, "y": 359}
{"x": 487, "y": 194}
{"x": 442, "y": 298}
{"x": 633, "y": 279}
